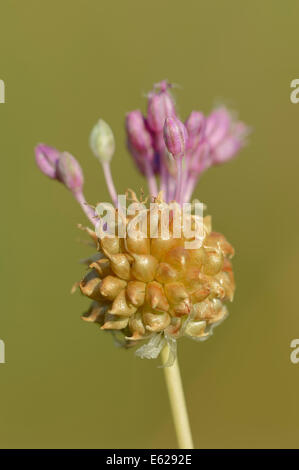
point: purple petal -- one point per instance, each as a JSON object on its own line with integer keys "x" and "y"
{"x": 46, "y": 158}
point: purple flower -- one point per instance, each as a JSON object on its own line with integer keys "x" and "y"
{"x": 199, "y": 159}
{"x": 70, "y": 172}
{"x": 204, "y": 141}
{"x": 224, "y": 135}
{"x": 195, "y": 123}
{"x": 160, "y": 106}
{"x": 63, "y": 167}
{"x": 139, "y": 137}
{"x": 46, "y": 158}
{"x": 196, "y": 145}
{"x": 175, "y": 136}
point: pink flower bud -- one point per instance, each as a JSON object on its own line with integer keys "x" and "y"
{"x": 175, "y": 136}
{"x": 195, "y": 123}
{"x": 163, "y": 85}
{"x": 69, "y": 172}
{"x": 46, "y": 158}
{"x": 224, "y": 136}
{"x": 200, "y": 158}
{"x": 160, "y": 106}
{"x": 139, "y": 137}
{"x": 218, "y": 125}
{"x": 232, "y": 143}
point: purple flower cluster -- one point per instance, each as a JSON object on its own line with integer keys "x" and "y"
{"x": 170, "y": 154}
{"x": 195, "y": 145}
{"x": 63, "y": 167}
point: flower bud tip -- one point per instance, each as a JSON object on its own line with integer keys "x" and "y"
{"x": 160, "y": 106}
{"x": 102, "y": 141}
{"x": 175, "y": 136}
{"x": 195, "y": 123}
{"x": 69, "y": 172}
{"x": 46, "y": 159}
{"x": 139, "y": 137}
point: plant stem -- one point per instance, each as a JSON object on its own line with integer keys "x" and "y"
{"x": 178, "y": 193}
{"x": 177, "y": 402}
{"x": 151, "y": 180}
{"x": 89, "y": 212}
{"x": 109, "y": 182}
{"x": 163, "y": 179}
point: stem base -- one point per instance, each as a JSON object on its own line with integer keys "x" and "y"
{"x": 177, "y": 402}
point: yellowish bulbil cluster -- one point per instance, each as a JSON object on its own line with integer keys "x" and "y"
{"x": 141, "y": 286}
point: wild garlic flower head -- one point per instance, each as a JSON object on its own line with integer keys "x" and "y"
{"x": 159, "y": 271}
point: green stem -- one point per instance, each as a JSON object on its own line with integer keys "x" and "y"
{"x": 177, "y": 402}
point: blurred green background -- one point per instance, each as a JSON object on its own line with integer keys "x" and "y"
{"x": 65, "y": 64}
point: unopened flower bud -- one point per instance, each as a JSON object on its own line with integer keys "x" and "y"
{"x": 195, "y": 123}
{"x": 218, "y": 126}
{"x": 163, "y": 85}
{"x": 46, "y": 159}
{"x": 160, "y": 106}
{"x": 102, "y": 141}
{"x": 138, "y": 135}
{"x": 224, "y": 135}
{"x": 70, "y": 172}
{"x": 229, "y": 147}
{"x": 175, "y": 136}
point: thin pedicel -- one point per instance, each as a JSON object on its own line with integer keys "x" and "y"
{"x": 150, "y": 291}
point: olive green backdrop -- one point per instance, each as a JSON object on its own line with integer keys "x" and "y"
{"x": 67, "y": 63}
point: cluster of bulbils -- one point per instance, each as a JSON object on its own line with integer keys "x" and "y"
{"x": 155, "y": 288}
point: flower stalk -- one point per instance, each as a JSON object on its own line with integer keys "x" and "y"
{"x": 151, "y": 180}
{"x": 109, "y": 182}
{"x": 88, "y": 211}
{"x": 177, "y": 401}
